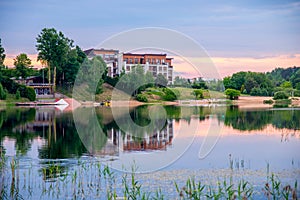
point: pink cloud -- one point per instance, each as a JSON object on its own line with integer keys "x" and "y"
{"x": 228, "y": 65}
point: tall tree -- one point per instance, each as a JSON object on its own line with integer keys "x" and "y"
{"x": 53, "y": 48}
{"x": 161, "y": 81}
{"x": 23, "y": 65}
{"x": 74, "y": 59}
{"x": 2, "y": 55}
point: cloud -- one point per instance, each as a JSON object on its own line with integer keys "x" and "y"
{"x": 228, "y": 65}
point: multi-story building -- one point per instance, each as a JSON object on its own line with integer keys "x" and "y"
{"x": 116, "y": 62}
{"x": 154, "y": 63}
{"x": 111, "y": 57}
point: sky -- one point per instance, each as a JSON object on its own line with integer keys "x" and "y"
{"x": 238, "y": 35}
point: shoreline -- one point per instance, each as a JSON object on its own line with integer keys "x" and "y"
{"x": 242, "y": 102}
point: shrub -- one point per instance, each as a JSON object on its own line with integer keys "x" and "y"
{"x": 232, "y": 93}
{"x": 142, "y": 98}
{"x": 18, "y": 95}
{"x": 2, "y": 93}
{"x": 269, "y": 101}
{"x": 280, "y": 95}
{"x": 198, "y": 94}
{"x": 169, "y": 95}
{"x": 31, "y": 94}
{"x": 297, "y": 93}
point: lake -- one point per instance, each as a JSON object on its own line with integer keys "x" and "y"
{"x": 50, "y": 154}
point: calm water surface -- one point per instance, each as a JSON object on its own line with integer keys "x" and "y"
{"x": 241, "y": 144}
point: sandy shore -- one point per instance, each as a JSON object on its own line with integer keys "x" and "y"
{"x": 257, "y": 102}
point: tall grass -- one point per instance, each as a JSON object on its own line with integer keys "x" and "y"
{"x": 92, "y": 180}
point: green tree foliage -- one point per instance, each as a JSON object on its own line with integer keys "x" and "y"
{"x": 232, "y": 93}
{"x": 257, "y": 91}
{"x": 286, "y": 84}
{"x": 2, "y": 55}
{"x": 280, "y": 95}
{"x": 23, "y": 65}
{"x": 30, "y": 94}
{"x": 237, "y": 80}
{"x": 253, "y": 83}
{"x": 170, "y": 95}
{"x": 12, "y": 87}
{"x": 181, "y": 82}
{"x": 18, "y": 94}
{"x": 135, "y": 81}
{"x": 215, "y": 85}
{"x": 91, "y": 74}
{"x": 2, "y": 93}
{"x": 53, "y": 50}
{"x": 198, "y": 93}
{"x": 142, "y": 98}
{"x": 279, "y": 75}
{"x": 75, "y": 58}
{"x": 199, "y": 84}
{"x": 161, "y": 81}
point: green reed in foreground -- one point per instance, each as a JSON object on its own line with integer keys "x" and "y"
{"x": 94, "y": 181}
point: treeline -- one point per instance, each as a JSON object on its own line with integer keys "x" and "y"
{"x": 266, "y": 84}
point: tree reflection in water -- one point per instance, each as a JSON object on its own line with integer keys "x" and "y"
{"x": 62, "y": 141}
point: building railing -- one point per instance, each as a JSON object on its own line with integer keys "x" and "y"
{"x": 39, "y": 84}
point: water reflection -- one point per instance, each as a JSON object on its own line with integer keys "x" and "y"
{"x": 23, "y": 125}
{"x": 259, "y": 119}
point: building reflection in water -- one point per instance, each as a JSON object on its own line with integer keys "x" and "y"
{"x": 59, "y": 131}
{"x": 159, "y": 140}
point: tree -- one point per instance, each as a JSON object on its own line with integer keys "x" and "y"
{"x": 135, "y": 81}
{"x": 232, "y": 93}
{"x": 2, "y": 55}
{"x": 198, "y": 93}
{"x": 280, "y": 95}
{"x": 75, "y": 58}
{"x": 161, "y": 81}
{"x": 237, "y": 80}
{"x": 22, "y": 64}
{"x": 18, "y": 95}
{"x": 53, "y": 48}
{"x": 227, "y": 82}
{"x": 90, "y": 74}
{"x": 2, "y": 93}
{"x": 286, "y": 84}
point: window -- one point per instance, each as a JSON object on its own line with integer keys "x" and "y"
{"x": 127, "y": 68}
{"x": 148, "y": 60}
{"x": 126, "y": 60}
{"x": 160, "y": 68}
{"x": 163, "y": 61}
{"x": 165, "y": 69}
{"x": 158, "y": 61}
{"x": 136, "y": 61}
{"x": 153, "y": 61}
{"x": 130, "y": 60}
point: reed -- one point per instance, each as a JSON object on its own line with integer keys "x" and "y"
{"x": 96, "y": 181}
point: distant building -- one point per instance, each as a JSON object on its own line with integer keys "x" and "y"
{"x": 116, "y": 62}
{"x": 39, "y": 84}
{"x": 154, "y": 63}
{"x": 111, "y": 57}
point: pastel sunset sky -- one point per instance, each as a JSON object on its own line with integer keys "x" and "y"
{"x": 238, "y": 35}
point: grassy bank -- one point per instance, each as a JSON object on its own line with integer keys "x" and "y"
{"x": 11, "y": 100}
